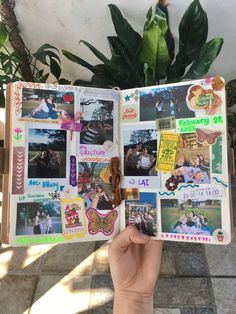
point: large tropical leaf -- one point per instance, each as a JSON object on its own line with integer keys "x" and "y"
{"x": 96, "y": 52}
{"x": 207, "y": 55}
{"x": 3, "y": 33}
{"x": 154, "y": 48}
{"x": 45, "y": 51}
{"x": 131, "y": 39}
{"x": 193, "y": 30}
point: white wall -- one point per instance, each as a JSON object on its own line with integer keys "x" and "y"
{"x": 64, "y": 22}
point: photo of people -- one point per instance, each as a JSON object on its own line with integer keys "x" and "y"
{"x": 142, "y": 213}
{"x": 140, "y": 151}
{"x": 190, "y": 217}
{"x": 46, "y": 104}
{"x": 94, "y": 185}
{"x": 156, "y": 103}
{"x": 97, "y": 121}
{"x": 193, "y": 160}
{"x": 47, "y": 153}
{"x": 36, "y": 218}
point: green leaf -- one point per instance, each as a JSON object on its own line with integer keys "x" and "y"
{"x": 2, "y": 98}
{"x": 131, "y": 39}
{"x": 193, "y": 30}
{"x": 154, "y": 48}
{"x": 3, "y": 33}
{"x": 55, "y": 68}
{"x": 148, "y": 75}
{"x": 7, "y": 67}
{"x": 207, "y": 55}
{"x": 96, "y": 52}
{"x": 78, "y": 60}
{"x": 46, "y": 51}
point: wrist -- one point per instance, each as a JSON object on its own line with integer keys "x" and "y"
{"x": 129, "y": 302}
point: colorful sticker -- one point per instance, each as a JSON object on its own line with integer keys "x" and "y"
{"x": 18, "y": 170}
{"x": 73, "y": 218}
{"x": 217, "y": 156}
{"x": 168, "y": 123}
{"x": 207, "y": 136}
{"x": 129, "y": 113}
{"x": 167, "y": 153}
{"x": 101, "y": 223}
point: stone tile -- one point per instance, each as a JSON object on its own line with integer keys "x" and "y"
{"x": 177, "y": 246}
{"x": 62, "y": 294}
{"x": 101, "y": 295}
{"x": 167, "y": 264}
{"x": 100, "y": 262}
{"x": 225, "y": 294}
{"x": 179, "y": 292}
{"x": 98, "y": 244}
{"x": 16, "y": 293}
{"x": 22, "y": 259}
{"x": 198, "y": 311}
{"x": 73, "y": 258}
{"x": 166, "y": 311}
{"x": 221, "y": 259}
{"x": 190, "y": 263}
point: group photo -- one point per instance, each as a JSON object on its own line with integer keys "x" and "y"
{"x": 94, "y": 185}
{"x": 47, "y": 153}
{"x": 161, "y": 102}
{"x": 140, "y": 152}
{"x": 47, "y": 104}
{"x": 142, "y": 213}
{"x": 97, "y": 121}
{"x": 36, "y": 218}
{"x": 190, "y": 217}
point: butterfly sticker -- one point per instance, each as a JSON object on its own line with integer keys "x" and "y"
{"x": 101, "y": 223}
{"x": 210, "y": 138}
{"x": 55, "y": 195}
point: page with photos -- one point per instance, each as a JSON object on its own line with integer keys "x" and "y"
{"x": 61, "y": 144}
{"x": 175, "y": 181}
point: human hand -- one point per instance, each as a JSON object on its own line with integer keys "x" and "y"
{"x": 135, "y": 263}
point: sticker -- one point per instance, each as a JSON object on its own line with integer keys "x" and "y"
{"x": 73, "y": 218}
{"x": 200, "y": 217}
{"x": 18, "y": 170}
{"x": 167, "y": 152}
{"x": 217, "y": 156}
{"x": 73, "y": 174}
{"x": 108, "y": 146}
{"x": 17, "y": 134}
{"x": 129, "y": 114}
{"x": 130, "y": 194}
{"x": 168, "y": 123}
{"x": 220, "y": 235}
{"x": 101, "y": 223}
{"x": 129, "y": 97}
{"x": 207, "y": 136}
{"x": 202, "y": 194}
{"x": 171, "y": 184}
{"x": 70, "y": 124}
{"x": 189, "y": 125}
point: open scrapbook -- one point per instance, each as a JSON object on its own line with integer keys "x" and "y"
{"x": 80, "y": 164}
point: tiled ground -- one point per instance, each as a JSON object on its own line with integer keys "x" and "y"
{"x": 75, "y": 278}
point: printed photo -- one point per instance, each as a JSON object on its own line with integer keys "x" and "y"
{"x": 97, "y": 121}
{"x": 140, "y": 152}
{"x": 47, "y": 104}
{"x": 193, "y": 160}
{"x": 142, "y": 213}
{"x": 156, "y": 103}
{"x": 94, "y": 185}
{"x": 190, "y": 217}
{"x": 38, "y": 218}
{"x": 47, "y": 153}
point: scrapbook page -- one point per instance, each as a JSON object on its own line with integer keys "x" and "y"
{"x": 174, "y": 161}
{"x": 59, "y": 186}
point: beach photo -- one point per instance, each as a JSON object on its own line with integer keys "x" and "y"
{"x": 156, "y": 103}
{"x": 97, "y": 121}
{"x": 46, "y": 153}
{"x": 190, "y": 217}
{"x": 36, "y": 218}
{"x": 140, "y": 152}
{"x": 142, "y": 213}
{"x": 94, "y": 185}
{"x": 47, "y": 104}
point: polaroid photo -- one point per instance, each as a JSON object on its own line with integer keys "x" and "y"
{"x": 201, "y": 217}
{"x": 46, "y": 158}
{"x": 142, "y": 213}
{"x": 139, "y": 155}
{"x": 49, "y": 105}
{"x": 162, "y": 102}
{"x": 94, "y": 184}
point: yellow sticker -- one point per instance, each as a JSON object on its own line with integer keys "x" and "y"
{"x": 167, "y": 153}
{"x": 73, "y": 218}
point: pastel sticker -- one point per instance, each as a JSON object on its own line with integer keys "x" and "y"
{"x": 167, "y": 153}
{"x": 129, "y": 113}
{"x": 101, "y": 223}
{"x": 73, "y": 218}
{"x": 207, "y": 136}
{"x": 220, "y": 235}
{"x": 73, "y": 174}
{"x": 18, "y": 170}
{"x": 217, "y": 156}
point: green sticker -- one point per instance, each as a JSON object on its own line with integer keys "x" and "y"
{"x": 217, "y": 156}
{"x": 39, "y": 240}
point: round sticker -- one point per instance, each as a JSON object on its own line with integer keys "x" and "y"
{"x": 108, "y": 146}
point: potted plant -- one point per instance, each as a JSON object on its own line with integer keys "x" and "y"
{"x": 220, "y": 236}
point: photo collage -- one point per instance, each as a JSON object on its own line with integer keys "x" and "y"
{"x": 63, "y": 142}
{"x": 173, "y": 154}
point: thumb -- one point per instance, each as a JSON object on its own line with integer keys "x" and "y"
{"x": 127, "y": 237}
